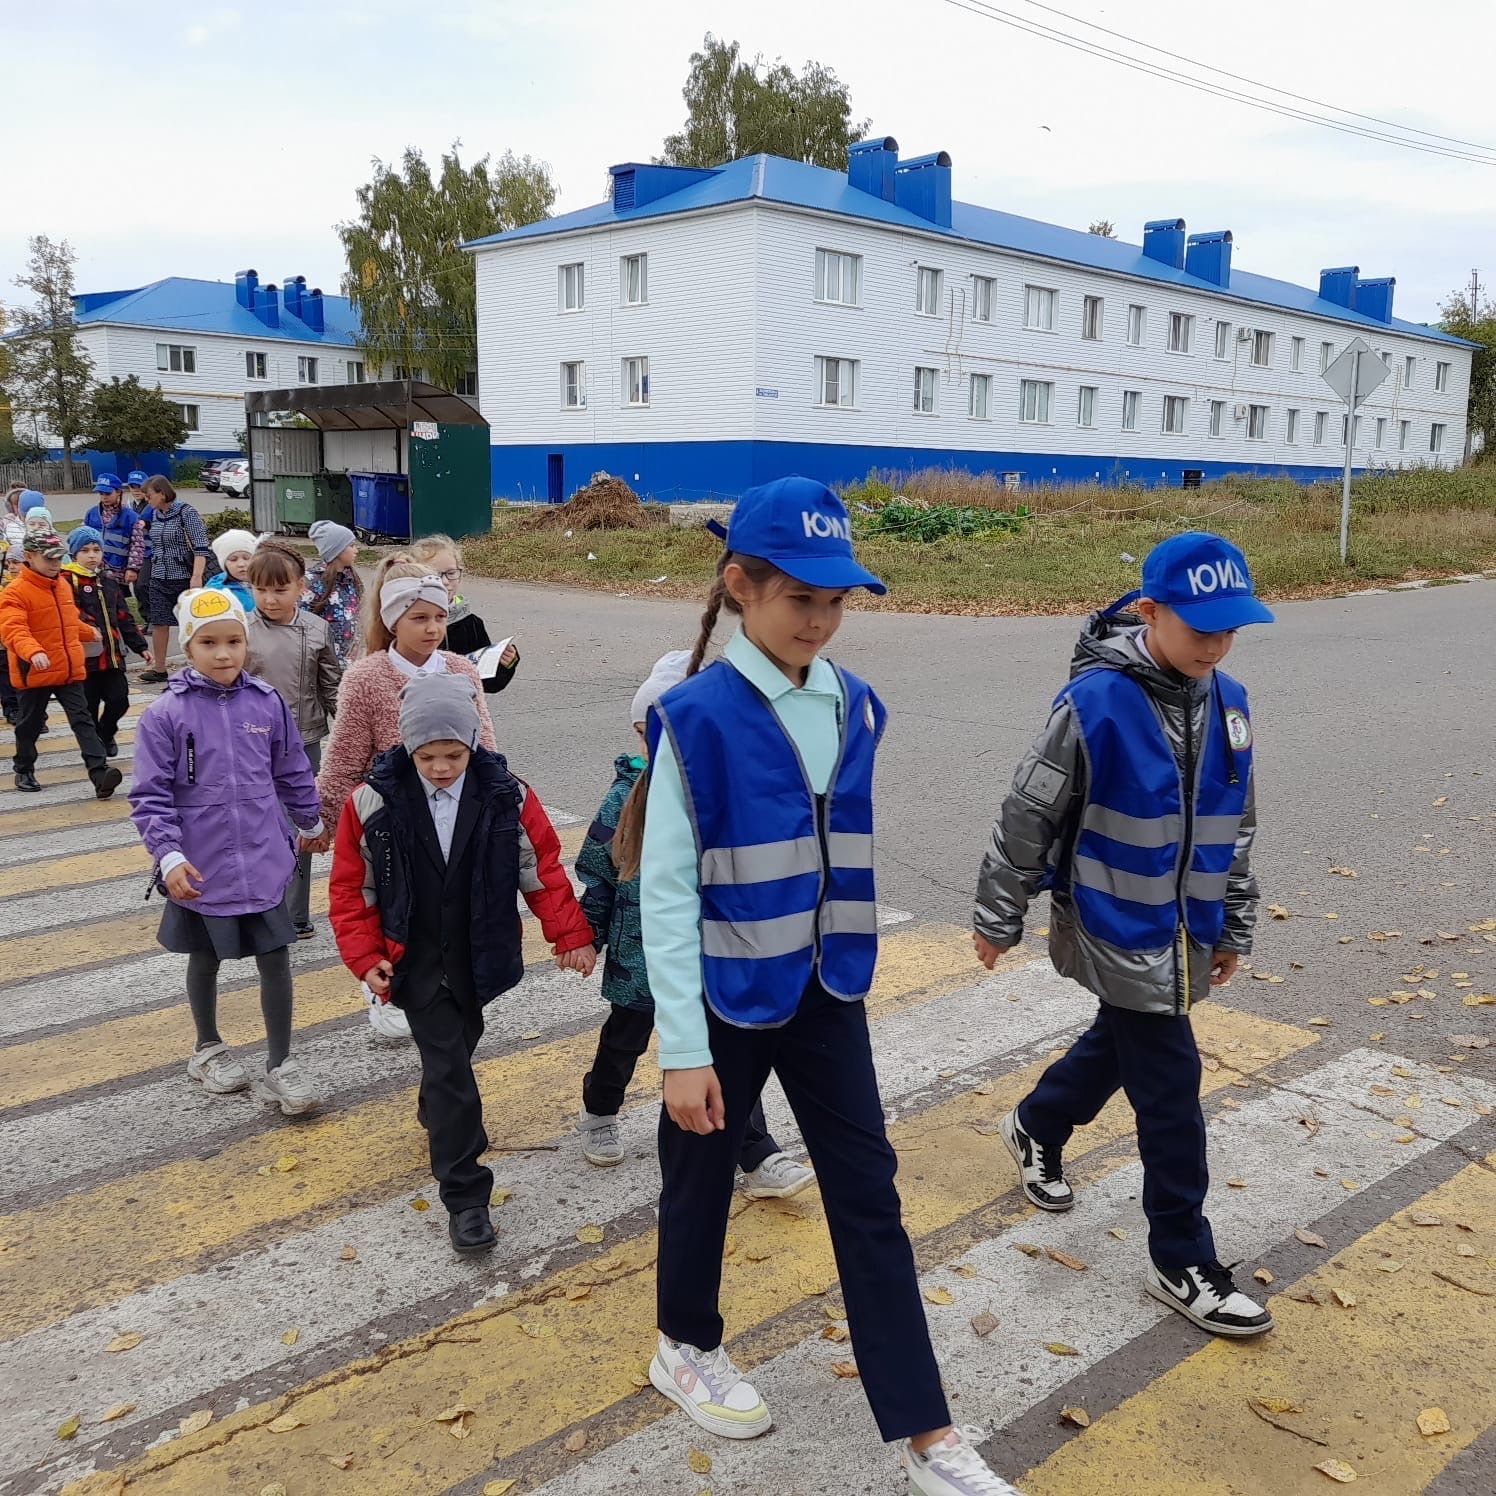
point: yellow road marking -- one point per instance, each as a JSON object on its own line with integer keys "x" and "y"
{"x": 62, "y": 816}
{"x": 1361, "y": 1375}
{"x": 86, "y": 867}
{"x": 536, "y": 1361}
{"x": 89, "y": 1248}
{"x": 72, "y": 774}
{"x": 59, "y": 740}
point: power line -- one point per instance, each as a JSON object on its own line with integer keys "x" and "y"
{"x": 1170, "y": 75}
{"x": 1287, "y": 93}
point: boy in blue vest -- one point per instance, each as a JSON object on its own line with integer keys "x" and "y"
{"x": 1135, "y": 809}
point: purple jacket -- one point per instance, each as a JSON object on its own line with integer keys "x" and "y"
{"x": 217, "y": 771}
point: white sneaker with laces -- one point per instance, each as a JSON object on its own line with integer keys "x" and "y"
{"x": 216, "y": 1069}
{"x": 390, "y": 1025}
{"x": 289, "y": 1087}
{"x": 953, "y": 1467}
{"x": 1041, "y": 1173}
{"x": 710, "y": 1389}
{"x": 1208, "y": 1296}
{"x": 602, "y": 1144}
{"x": 777, "y": 1178}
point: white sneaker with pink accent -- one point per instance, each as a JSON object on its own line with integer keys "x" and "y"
{"x": 710, "y": 1389}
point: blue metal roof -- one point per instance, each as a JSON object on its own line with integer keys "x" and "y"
{"x": 182, "y": 306}
{"x": 773, "y": 179}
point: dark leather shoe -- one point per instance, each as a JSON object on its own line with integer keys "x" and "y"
{"x": 27, "y": 784}
{"x": 111, "y": 748}
{"x": 107, "y": 781}
{"x": 471, "y": 1230}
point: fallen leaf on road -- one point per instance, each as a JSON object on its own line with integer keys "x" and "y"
{"x": 1303, "y": 1296}
{"x": 195, "y": 1423}
{"x": 986, "y": 1088}
{"x": 1263, "y": 1276}
{"x": 275, "y": 1488}
{"x": 1425, "y": 1218}
{"x": 118, "y": 1411}
{"x": 126, "y": 1342}
{"x": 1311, "y": 1238}
{"x": 1268, "y": 977}
{"x": 286, "y": 1162}
{"x": 639, "y": 1380}
{"x": 345, "y": 1461}
{"x": 844, "y": 1370}
{"x": 984, "y": 1324}
{"x": 1277, "y": 911}
{"x": 939, "y": 1296}
{"x": 1059, "y": 1348}
{"x": 349, "y": 1254}
{"x": 532, "y": 1034}
{"x": 1344, "y": 872}
{"x": 499, "y": 1487}
{"x": 1344, "y": 1299}
{"x": 1321, "y": 1173}
{"x": 500, "y": 1196}
{"x": 1349, "y": 1184}
{"x": 1451, "y": 1101}
{"x": 590, "y": 1234}
{"x": 1441, "y": 802}
{"x": 700, "y": 1464}
{"x": 1027, "y": 1248}
{"x": 290, "y": 1337}
{"x": 420, "y": 1204}
{"x": 1065, "y": 1259}
{"x": 576, "y": 1442}
{"x": 1275, "y": 1404}
{"x": 1389, "y": 1265}
{"x": 1433, "y": 1421}
{"x": 1319, "y": 1023}
{"x": 1077, "y": 1416}
{"x": 452, "y": 1414}
{"x": 1332, "y": 916}
{"x": 284, "y": 1424}
{"x": 756, "y": 1254}
{"x": 1336, "y": 1470}
{"x": 1210, "y": 1063}
{"x": 1116, "y": 1231}
{"x": 1382, "y": 1091}
{"x": 69, "y": 1429}
{"x": 964, "y": 1271}
{"x": 836, "y": 1334}
{"x": 1479, "y": 1000}
{"x": 1311, "y": 1125}
{"x": 1378, "y": 1002}
{"x": 811, "y": 1288}
{"x": 1345, "y": 940}
{"x": 1465, "y": 1251}
{"x": 1236, "y": 1184}
{"x": 1377, "y": 1037}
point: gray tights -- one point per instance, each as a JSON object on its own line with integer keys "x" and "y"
{"x": 275, "y": 1000}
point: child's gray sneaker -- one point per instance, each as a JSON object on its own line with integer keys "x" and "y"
{"x": 777, "y": 1178}
{"x": 953, "y": 1468}
{"x": 602, "y": 1143}
{"x": 216, "y": 1070}
{"x": 289, "y": 1087}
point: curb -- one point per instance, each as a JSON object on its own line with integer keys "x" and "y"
{"x": 1423, "y": 584}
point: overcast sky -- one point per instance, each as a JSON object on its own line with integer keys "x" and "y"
{"x": 173, "y": 139}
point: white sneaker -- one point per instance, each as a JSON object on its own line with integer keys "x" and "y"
{"x": 1208, "y": 1296}
{"x": 389, "y": 1023}
{"x": 710, "y": 1389}
{"x": 289, "y": 1087}
{"x": 953, "y": 1467}
{"x": 216, "y": 1069}
{"x": 777, "y": 1178}
{"x": 1041, "y": 1173}
{"x": 602, "y": 1143}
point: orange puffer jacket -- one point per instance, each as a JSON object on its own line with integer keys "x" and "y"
{"x": 39, "y": 616}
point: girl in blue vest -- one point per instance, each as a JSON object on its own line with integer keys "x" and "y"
{"x": 1135, "y": 809}
{"x": 760, "y": 938}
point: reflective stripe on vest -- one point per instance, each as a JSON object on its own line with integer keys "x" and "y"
{"x": 775, "y": 910}
{"x": 1130, "y": 875}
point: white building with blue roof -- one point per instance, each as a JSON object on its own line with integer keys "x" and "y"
{"x": 708, "y": 329}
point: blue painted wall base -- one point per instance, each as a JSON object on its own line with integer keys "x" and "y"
{"x": 683, "y": 472}
{"x": 150, "y": 463}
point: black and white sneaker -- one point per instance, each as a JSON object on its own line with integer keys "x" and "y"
{"x": 1208, "y": 1296}
{"x": 1041, "y": 1173}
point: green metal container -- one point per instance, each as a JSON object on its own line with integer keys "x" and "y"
{"x": 333, "y": 498}
{"x": 295, "y": 502}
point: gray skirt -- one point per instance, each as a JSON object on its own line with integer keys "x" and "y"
{"x": 229, "y": 937}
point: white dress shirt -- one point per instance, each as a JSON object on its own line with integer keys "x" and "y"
{"x": 436, "y": 665}
{"x": 443, "y": 803}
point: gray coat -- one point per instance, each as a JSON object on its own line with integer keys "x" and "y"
{"x": 1037, "y": 826}
{"x": 297, "y": 658}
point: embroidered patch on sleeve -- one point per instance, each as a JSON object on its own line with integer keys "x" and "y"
{"x": 1043, "y": 782}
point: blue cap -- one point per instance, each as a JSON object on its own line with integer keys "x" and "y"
{"x": 80, "y": 536}
{"x": 135, "y": 478}
{"x": 30, "y": 499}
{"x": 103, "y": 486}
{"x": 112, "y": 479}
{"x": 1204, "y": 579}
{"x": 801, "y": 527}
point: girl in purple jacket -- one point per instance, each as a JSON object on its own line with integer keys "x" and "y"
{"x": 219, "y": 769}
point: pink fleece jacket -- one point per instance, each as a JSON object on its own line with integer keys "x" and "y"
{"x": 368, "y": 722}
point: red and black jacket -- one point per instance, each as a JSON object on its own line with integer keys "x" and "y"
{"x": 101, "y": 602}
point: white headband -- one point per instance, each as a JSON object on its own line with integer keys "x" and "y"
{"x": 401, "y": 594}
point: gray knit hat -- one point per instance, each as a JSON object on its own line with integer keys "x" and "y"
{"x": 439, "y": 708}
{"x": 331, "y": 539}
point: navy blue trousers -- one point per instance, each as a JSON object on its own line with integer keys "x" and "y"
{"x": 1152, "y": 1058}
{"x": 825, "y": 1065}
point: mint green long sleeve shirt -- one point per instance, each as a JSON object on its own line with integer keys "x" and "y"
{"x": 670, "y": 872}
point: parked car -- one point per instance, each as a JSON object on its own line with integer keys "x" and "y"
{"x": 209, "y": 475}
{"x": 233, "y": 477}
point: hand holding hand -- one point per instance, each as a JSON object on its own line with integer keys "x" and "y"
{"x": 694, "y": 1100}
{"x": 312, "y": 844}
{"x": 41, "y": 660}
{"x": 1223, "y": 966}
{"x": 377, "y": 979}
{"x": 583, "y": 961}
{"x": 987, "y": 953}
{"x": 180, "y": 881}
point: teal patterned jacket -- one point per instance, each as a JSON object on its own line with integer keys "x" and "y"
{"x": 611, "y": 906}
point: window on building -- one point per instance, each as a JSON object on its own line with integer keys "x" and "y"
{"x": 573, "y": 291}
{"x": 306, "y": 369}
{"x": 979, "y": 397}
{"x": 1404, "y": 430}
{"x": 1410, "y": 367}
{"x": 1038, "y": 308}
{"x": 1085, "y": 406}
{"x": 1181, "y": 332}
{"x": 355, "y": 371}
{"x": 574, "y": 385}
{"x": 1257, "y": 423}
{"x": 1296, "y": 354}
{"x": 927, "y": 291}
{"x": 1217, "y": 414}
{"x": 467, "y": 384}
{"x": 1033, "y": 401}
{"x": 1347, "y": 430}
{"x": 1291, "y": 428}
{"x": 254, "y": 366}
{"x": 190, "y": 414}
{"x": 1092, "y": 309}
{"x": 1326, "y": 353}
{"x": 1262, "y": 349}
{"x": 1435, "y": 435}
{"x": 924, "y": 391}
{"x": 1441, "y": 378}
{"x": 836, "y": 382}
{"x": 983, "y": 297}
{"x": 636, "y": 381}
{"x": 1176, "y": 413}
{"x": 1381, "y": 430}
{"x": 1223, "y": 340}
{"x": 1321, "y": 420}
{"x": 179, "y": 358}
{"x": 1137, "y": 322}
{"x": 1132, "y": 401}
{"x": 403, "y": 371}
{"x": 838, "y": 278}
{"x": 633, "y": 279}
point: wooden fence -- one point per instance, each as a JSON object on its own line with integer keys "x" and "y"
{"x": 46, "y": 476}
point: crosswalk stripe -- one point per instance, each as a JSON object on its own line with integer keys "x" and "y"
{"x": 59, "y": 740}
{"x": 1095, "y": 1312}
{"x": 65, "y": 872}
{"x": 18, "y": 818}
{"x": 536, "y": 1362}
{"x": 1354, "y": 1396}
{"x": 66, "y": 841}
{"x": 93, "y": 1246}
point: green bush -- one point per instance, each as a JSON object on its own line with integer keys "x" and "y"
{"x": 227, "y": 519}
{"x": 900, "y": 519}
{"x": 187, "y": 474}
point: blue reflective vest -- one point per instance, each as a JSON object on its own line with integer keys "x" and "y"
{"x": 1151, "y": 853}
{"x": 786, "y": 879}
{"x": 117, "y": 533}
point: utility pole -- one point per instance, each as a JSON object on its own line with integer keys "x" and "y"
{"x": 1475, "y": 295}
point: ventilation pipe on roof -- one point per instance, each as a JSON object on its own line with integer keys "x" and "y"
{"x": 871, "y": 165}
{"x": 1208, "y": 256}
{"x": 1163, "y": 240}
{"x": 246, "y": 283}
{"x": 292, "y": 292}
{"x": 312, "y": 310}
{"x": 922, "y": 186}
{"x": 267, "y": 306}
{"x": 1339, "y": 286}
{"x": 1374, "y": 297}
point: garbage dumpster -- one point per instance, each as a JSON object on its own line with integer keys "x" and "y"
{"x": 333, "y": 498}
{"x": 295, "y": 502}
{"x": 381, "y": 506}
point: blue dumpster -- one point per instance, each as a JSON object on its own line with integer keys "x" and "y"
{"x": 381, "y": 506}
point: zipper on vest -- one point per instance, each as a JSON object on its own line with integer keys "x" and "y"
{"x": 1186, "y": 856}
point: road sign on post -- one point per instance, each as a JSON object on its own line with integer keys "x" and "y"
{"x": 1353, "y": 376}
